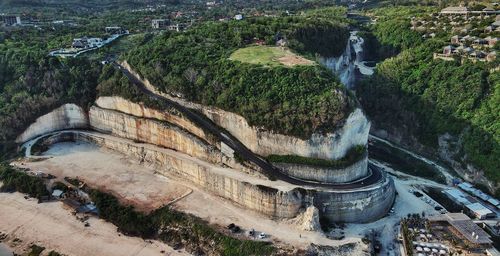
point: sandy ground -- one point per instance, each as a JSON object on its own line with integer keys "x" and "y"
{"x": 291, "y": 60}
{"x": 222, "y": 212}
{"x": 132, "y": 183}
{"x": 53, "y": 227}
{"x": 140, "y": 186}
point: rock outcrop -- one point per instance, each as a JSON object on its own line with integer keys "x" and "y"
{"x": 139, "y": 110}
{"x": 242, "y": 190}
{"x": 273, "y": 199}
{"x": 307, "y": 220}
{"x": 332, "y": 145}
{"x": 179, "y": 148}
{"x": 68, "y": 116}
{"x": 152, "y": 131}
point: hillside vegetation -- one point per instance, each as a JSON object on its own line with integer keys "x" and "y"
{"x": 296, "y": 101}
{"x": 426, "y": 98}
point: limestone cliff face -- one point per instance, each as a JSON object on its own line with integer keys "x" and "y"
{"x": 139, "y": 110}
{"x": 68, "y": 116}
{"x": 216, "y": 180}
{"x": 333, "y": 145}
{"x": 330, "y": 146}
{"x": 281, "y": 201}
{"x": 350, "y": 173}
{"x": 152, "y": 131}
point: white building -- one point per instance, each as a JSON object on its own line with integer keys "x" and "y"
{"x": 480, "y": 211}
{"x": 160, "y": 23}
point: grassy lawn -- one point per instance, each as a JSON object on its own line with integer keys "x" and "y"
{"x": 269, "y": 56}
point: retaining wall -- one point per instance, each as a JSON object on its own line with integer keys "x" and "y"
{"x": 68, "y": 116}
{"x": 350, "y": 173}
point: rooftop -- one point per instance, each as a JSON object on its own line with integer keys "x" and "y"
{"x": 479, "y": 209}
{"x": 465, "y": 226}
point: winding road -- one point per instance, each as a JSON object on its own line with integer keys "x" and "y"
{"x": 203, "y": 122}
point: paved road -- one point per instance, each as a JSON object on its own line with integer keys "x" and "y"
{"x": 268, "y": 169}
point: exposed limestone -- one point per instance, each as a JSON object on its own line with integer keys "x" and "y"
{"x": 139, "y": 110}
{"x": 198, "y": 158}
{"x": 330, "y": 146}
{"x": 333, "y": 145}
{"x": 152, "y": 131}
{"x": 68, "y": 116}
{"x": 271, "y": 198}
{"x": 350, "y": 173}
{"x": 308, "y": 220}
{"x": 273, "y": 202}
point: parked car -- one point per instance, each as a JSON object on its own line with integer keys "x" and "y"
{"x": 262, "y": 235}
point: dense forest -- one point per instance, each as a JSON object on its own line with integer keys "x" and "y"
{"x": 296, "y": 100}
{"x": 31, "y": 84}
{"x": 31, "y": 87}
{"x": 426, "y": 98}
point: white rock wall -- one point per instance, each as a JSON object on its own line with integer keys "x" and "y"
{"x": 350, "y": 173}
{"x": 152, "y": 131}
{"x": 333, "y": 145}
{"x": 139, "y": 110}
{"x": 68, "y": 116}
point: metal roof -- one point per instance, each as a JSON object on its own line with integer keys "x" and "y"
{"x": 479, "y": 209}
{"x": 457, "y": 195}
{"x": 465, "y": 226}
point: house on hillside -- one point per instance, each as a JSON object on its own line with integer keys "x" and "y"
{"x": 10, "y": 20}
{"x": 85, "y": 42}
{"x": 160, "y": 23}
{"x": 176, "y": 27}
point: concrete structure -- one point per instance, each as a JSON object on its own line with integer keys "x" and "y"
{"x": 160, "y": 23}
{"x": 11, "y": 20}
{"x": 480, "y": 211}
{"x": 356, "y": 171}
{"x": 176, "y": 27}
{"x": 115, "y": 30}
